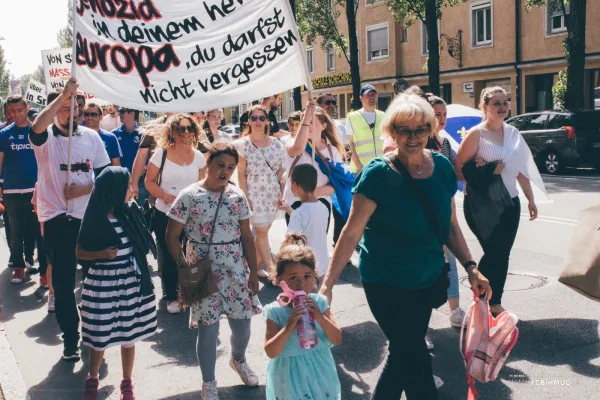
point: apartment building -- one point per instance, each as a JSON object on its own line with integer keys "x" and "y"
{"x": 483, "y": 43}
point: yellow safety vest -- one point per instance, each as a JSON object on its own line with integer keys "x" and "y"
{"x": 367, "y": 141}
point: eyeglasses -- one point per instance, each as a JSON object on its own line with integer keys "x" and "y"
{"x": 183, "y": 129}
{"x": 330, "y": 102}
{"x": 91, "y": 114}
{"x": 254, "y": 118}
{"x": 419, "y": 132}
{"x": 123, "y": 111}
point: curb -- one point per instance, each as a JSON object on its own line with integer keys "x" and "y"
{"x": 12, "y": 384}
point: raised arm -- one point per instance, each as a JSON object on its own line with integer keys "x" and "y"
{"x": 297, "y": 145}
{"x": 46, "y": 116}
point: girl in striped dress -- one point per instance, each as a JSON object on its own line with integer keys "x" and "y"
{"x": 118, "y": 306}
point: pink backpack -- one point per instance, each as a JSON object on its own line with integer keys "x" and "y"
{"x": 488, "y": 342}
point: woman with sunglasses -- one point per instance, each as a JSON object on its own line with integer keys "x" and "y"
{"x": 182, "y": 166}
{"x": 212, "y": 124}
{"x": 260, "y": 173}
{"x": 403, "y": 209}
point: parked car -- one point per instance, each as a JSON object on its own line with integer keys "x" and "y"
{"x": 561, "y": 139}
{"x": 283, "y": 124}
{"x": 232, "y": 130}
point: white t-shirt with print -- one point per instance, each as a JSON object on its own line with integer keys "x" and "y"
{"x": 175, "y": 177}
{"x": 322, "y": 179}
{"x": 370, "y": 117}
{"x": 310, "y": 219}
{"x": 87, "y": 154}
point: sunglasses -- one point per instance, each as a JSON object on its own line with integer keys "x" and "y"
{"x": 330, "y": 102}
{"x": 123, "y": 111}
{"x": 419, "y": 132}
{"x": 254, "y": 118}
{"x": 183, "y": 129}
{"x": 90, "y": 114}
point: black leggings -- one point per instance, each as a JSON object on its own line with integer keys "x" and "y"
{"x": 408, "y": 366}
{"x": 496, "y": 249}
{"x": 298, "y": 203}
{"x": 169, "y": 273}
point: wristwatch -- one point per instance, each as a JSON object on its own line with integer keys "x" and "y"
{"x": 469, "y": 264}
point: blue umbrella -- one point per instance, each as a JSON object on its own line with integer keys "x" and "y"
{"x": 341, "y": 179}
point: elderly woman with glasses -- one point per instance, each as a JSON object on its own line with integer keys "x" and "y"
{"x": 182, "y": 164}
{"x": 403, "y": 209}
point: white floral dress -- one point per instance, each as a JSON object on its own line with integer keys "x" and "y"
{"x": 261, "y": 180}
{"x": 195, "y": 207}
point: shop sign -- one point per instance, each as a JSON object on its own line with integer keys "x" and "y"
{"x": 467, "y": 87}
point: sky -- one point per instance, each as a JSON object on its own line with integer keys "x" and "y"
{"x": 28, "y": 27}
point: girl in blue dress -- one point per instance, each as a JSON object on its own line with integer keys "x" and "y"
{"x": 294, "y": 372}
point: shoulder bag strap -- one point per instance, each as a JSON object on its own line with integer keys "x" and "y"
{"x": 330, "y": 153}
{"x": 298, "y": 157}
{"x": 265, "y": 159}
{"x": 162, "y": 166}
{"x": 425, "y": 204}
{"x": 214, "y": 223}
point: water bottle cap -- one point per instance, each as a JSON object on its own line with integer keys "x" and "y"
{"x": 301, "y": 293}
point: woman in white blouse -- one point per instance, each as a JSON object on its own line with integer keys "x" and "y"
{"x": 183, "y": 166}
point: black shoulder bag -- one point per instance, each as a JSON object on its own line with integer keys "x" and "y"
{"x": 149, "y": 208}
{"x": 437, "y": 293}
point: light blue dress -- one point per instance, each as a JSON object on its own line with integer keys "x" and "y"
{"x": 299, "y": 374}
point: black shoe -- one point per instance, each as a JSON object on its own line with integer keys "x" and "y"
{"x": 71, "y": 354}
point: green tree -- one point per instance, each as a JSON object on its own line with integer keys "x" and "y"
{"x": 575, "y": 18}
{"x": 316, "y": 19}
{"x": 65, "y": 35}
{"x": 407, "y": 12}
{"x": 38, "y": 75}
{"x": 4, "y": 82}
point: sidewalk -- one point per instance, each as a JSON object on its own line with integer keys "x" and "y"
{"x": 559, "y": 343}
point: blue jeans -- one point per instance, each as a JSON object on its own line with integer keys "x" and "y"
{"x": 453, "y": 292}
{"x": 143, "y": 194}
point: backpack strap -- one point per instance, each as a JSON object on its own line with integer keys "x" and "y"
{"x": 294, "y": 163}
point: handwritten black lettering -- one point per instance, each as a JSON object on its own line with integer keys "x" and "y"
{"x": 227, "y": 7}
{"x": 264, "y": 27}
{"x": 175, "y": 92}
{"x": 143, "y": 34}
{"x": 200, "y": 56}
{"x": 101, "y": 28}
{"x": 120, "y": 9}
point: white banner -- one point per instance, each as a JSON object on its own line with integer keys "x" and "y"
{"x": 36, "y": 93}
{"x": 57, "y": 68}
{"x": 186, "y": 55}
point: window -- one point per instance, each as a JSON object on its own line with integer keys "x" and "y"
{"x": 557, "y": 121}
{"x": 481, "y": 23}
{"x": 425, "y": 37}
{"x": 377, "y": 42}
{"x": 534, "y": 122}
{"x": 310, "y": 61}
{"x": 330, "y": 59}
{"x": 555, "y": 22}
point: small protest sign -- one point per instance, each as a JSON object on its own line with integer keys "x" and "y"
{"x": 36, "y": 93}
{"x": 186, "y": 55}
{"x": 57, "y": 68}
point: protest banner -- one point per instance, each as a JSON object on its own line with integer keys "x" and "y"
{"x": 57, "y": 68}
{"x": 188, "y": 55}
{"x": 36, "y": 93}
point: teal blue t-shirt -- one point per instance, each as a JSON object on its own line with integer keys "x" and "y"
{"x": 398, "y": 246}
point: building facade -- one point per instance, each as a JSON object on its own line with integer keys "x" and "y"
{"x": 483, "y": 43}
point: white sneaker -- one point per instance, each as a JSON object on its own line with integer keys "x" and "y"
{"x": 429, "y": 343}
{"x": 209, "y": 391}
{"x": 173, "y": 307}
{"x": 438, "y": 382}
{"x": 241, "y": 367}
{"x": 51, "y": 303}
{"x": 456, "y": 317}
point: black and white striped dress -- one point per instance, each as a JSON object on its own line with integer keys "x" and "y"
{"x": 113, "y": 311}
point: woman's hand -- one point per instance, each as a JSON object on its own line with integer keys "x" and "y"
{"x": 480, "y": 162}
{"x": 253, "y": 284}
{"x": 479, "y": 283}
{"x": 110, "y": 253}
{"x": 168, "y": 198}
{"x": 314, "y": 310}
{"x": 533, "y": 210}
{"x": 310, "y": 112}
{"x": 499, "y": 168}
{"x": 295, "y": 317}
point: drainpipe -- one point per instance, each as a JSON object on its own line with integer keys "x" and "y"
{"x": 518, "y": 55}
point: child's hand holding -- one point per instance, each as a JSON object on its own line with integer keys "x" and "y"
{"x": 294, "y": 317}
{"x": 314, "y": 310}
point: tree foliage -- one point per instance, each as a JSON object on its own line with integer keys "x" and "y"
{"x": 408, "y": 12}
{"x": 4, "y": 81}
{"x": 559, "y": 90}
{"x": 65, "y": 35}
{"x": 316, "y": 19}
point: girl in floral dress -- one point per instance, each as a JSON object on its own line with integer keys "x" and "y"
{"x": 232, "y": 260}
{"x": 295, "y": 373}
{"x": 260, "y": 175}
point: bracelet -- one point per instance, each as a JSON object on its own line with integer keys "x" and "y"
{"x": 469, "y": 264}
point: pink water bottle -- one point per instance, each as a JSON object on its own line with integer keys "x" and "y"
{"x": 307, "y": 332}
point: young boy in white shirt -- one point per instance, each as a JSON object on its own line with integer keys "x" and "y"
{"x": 310, "y": 219}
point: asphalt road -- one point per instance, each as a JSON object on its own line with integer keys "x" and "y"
{"x": 557, "y": 355}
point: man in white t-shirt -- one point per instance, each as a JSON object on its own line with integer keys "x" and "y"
{"x": 61, "y": 206}
{"x": 111, "y": 121}
{"x": 310, "y": 219}
{"x": 363, "y": 129}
